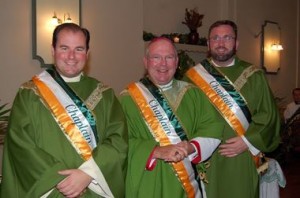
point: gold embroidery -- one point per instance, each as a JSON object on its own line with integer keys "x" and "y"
{"x": 95, "y": 96}
{"x": 242, "y": 79}
{"x": 202, "y": 172}
{"x": 33, "y": 87}
{"x": 182, "y": 88}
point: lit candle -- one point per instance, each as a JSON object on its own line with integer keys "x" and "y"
{"x": 176, "y": 39}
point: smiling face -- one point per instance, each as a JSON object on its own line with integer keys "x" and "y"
{"x": 70, "y": 53}
{"x": 222, "y": 44}
{"x": 161, "y": 61}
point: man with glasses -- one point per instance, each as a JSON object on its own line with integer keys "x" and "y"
{"x": 241, "y": 94}
{"x": 167, "y": 137}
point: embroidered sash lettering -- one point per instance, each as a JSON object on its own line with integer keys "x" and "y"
{"x": 220, "y": 98}
{"x": 67, "y": 114}
{"x": 224, "y": 96}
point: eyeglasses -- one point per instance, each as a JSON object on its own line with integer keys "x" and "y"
{"x": 226, "y": 38}
{"x": 159, "y": 58}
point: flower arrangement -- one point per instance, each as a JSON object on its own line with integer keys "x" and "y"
{"x": 193, "y": 19}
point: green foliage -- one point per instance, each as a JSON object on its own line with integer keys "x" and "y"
{"x": 184, "y": 63}
{"x": 183, "y": 38}
{"x": 4, "y": 115}
{"x": 148, "y": 36}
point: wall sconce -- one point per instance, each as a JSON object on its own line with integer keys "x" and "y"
{"x": 270, "y": 47}
{"x": 44, "y": 20}
{"x": 56, "y": 21}
{"x": 276, "y": 47}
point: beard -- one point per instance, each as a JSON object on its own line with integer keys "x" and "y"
{"x": 222, "y": 57}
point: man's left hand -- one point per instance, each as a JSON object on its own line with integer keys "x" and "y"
{"x": 233, "y": 147}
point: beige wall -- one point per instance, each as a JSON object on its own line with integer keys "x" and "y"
{"x": 116, "y": 36}
{"x": 116, "y": 43}
{"x": 250, "y": 17}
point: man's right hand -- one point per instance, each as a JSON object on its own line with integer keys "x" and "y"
{"x": 74, "y": 184}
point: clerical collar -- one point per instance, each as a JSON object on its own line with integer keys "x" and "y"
{"x": 166, "y": 86}
{"x": 73, "y": 79}
{"x": 230, "y": 64}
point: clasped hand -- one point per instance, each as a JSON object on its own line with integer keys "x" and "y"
{"x": 174, "y": 152}
{"x": 74, "y": 184}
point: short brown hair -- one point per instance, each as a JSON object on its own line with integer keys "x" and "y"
{"x": 73, "y": 27}
{"x": 224, "y": 22}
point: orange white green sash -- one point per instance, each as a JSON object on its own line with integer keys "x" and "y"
{"x": 164, "y": 133}
{"x": 67, "y": 115}
{"x": 224, "y": 95}
{"x": 228, "y": 102}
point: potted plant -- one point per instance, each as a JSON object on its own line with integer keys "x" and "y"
{"x": 193, "y": 20}
{"x": 4, "y": 115}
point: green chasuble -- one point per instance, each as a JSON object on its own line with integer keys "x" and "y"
{"x": 199, "y": 119}
{"x": 35, "y": 148}
{"x": 237, "y": 177}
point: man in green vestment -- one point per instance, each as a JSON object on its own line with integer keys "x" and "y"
{"x": 152, "y": 163}
{"x": 67, "y": 132}
{"x": 232, "y": 172}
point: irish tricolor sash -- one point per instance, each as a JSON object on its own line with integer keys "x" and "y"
{"x": 70, "y": 113}
{"x": 166, "y": 130}
{"x": 223, "y": 95}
